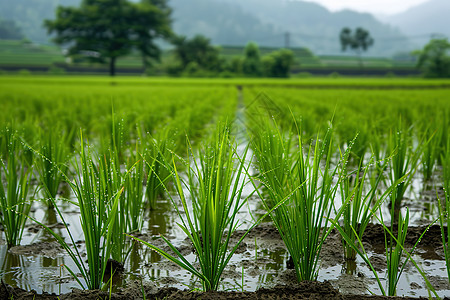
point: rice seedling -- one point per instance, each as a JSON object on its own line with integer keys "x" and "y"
{"x": 98, "y": 214}
{"x": 129, "y": 214}
{"x": 14, "y": 202}
{"x": 358, "y": 206}
{"x": 134, "y": 192}
{"x": 287, "y": 172}
{"x": 51, "y": 164}
{"x": 403, "y": 164}
{"x": 394, "y": 250}
{"x": 215, "y": 179}
{"x": 444, "y": 208}
{"x": 430, "y": 152}
{"x": 156, "y": 153}
{"x": 110, "y": 174}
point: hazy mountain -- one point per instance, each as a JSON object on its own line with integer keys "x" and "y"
{"x": 235, "y": 22}
{"x": 224, "y": 23}
{"x": 313, "y": 26}
{"x": 29, "y": 15}
{"x": 423, "y": 21}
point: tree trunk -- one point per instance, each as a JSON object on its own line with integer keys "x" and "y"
{"x": 112, "y": 66}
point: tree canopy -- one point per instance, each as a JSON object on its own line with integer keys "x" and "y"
{"x": 251, "y": 65}
{"x": 198, "y": 51}
{"x": 434, "y": 59}
{"x": 358, "y": 41}
{"x": 278, "y": 63}
{"x": 104, "y": 30}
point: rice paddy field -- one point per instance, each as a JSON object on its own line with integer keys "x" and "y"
{"x": 155, "y": 188}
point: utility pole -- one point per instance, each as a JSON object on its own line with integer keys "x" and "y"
{"x": 287, "y": 36}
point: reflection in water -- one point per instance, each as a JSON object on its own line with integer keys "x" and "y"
{"x": 31, "y": 273}
{"x": 13, "y": 269}
{"x": 276, "y": 257}
{"x": 135, "y": 258}
{"x": 158, "y": 218}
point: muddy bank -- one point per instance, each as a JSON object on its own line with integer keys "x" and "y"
{"x": 303, "y": 290}
{"x": 260, "y": 268}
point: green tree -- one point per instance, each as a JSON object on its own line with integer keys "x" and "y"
{"x": 10, "y": 31}
{"x": 105, "y": 30}
{"x": 235, "y": 65}
{"x": 251, "y": 66}
{"x": 434, "y": 59}
{"x": 197, "y": 53}
{"x": 278, "y": 63}
{"x": 358, "y": 41}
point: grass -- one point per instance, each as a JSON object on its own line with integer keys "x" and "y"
{"x": 14, "y": 203}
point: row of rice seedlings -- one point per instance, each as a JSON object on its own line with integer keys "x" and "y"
{"x": 214, "y": 183}
{"x": 272, "y": 149}
{"x": 14, "y": 203}
{"x": 286, "y": 172}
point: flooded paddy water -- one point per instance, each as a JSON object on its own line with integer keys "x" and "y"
{"x": 261, "y": 261}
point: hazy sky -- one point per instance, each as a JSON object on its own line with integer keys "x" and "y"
{"x": 372, "y": 6}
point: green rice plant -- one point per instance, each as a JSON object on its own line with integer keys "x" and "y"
{"x": 52, "y": 163}
{"x": 446, "y": 167}
{"x": 215, "y": 180}
{"x": 98, "y": 210}
{"x": 129, "y": 215}
{"x": 98, "y": 214}
{"x": 430, "y": 152}
{"x": 403, "y": 164}
{"x": 308, "y": 181}
{"x": 14, "y": 202}
{"x": 444, "y": 208}
{"x": 394, "y": 250}
{"x": 134, "y": 192}
{"x": 358, "y": 204}
{"x": 110, "y": 174}
{"x": 395, "y": 237}
{"x": 156, "y": 153}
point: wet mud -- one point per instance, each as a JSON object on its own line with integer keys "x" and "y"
{"x": 351, "y": 282}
